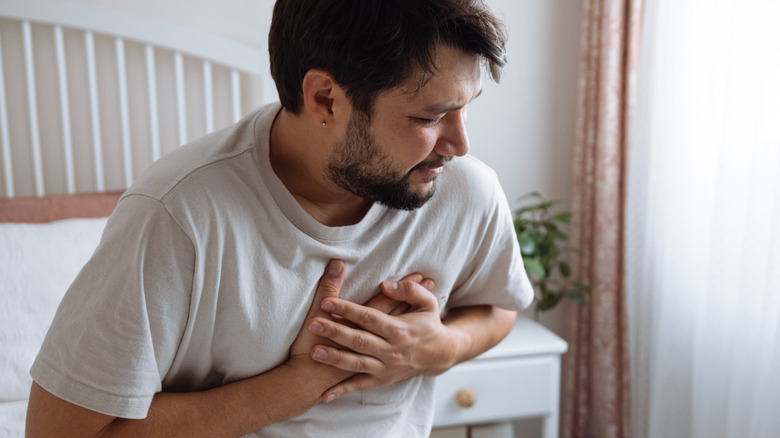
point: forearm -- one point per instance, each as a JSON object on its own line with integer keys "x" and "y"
{"x": 384, "y": 349}
{"x": 232, "y": 410}
{"x": 235, "y": 409}
{"x": 476, "y": 329}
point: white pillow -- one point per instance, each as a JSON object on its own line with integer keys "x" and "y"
{"x": 12, "y": 418}
{"x": 38, "y": 262}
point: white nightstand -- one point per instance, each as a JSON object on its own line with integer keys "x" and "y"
{"x": 519, "y": 377}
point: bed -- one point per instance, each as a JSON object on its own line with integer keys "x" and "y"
{"x": 89, "y": 97}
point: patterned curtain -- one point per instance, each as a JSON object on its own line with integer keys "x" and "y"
{"x": 595, "y": 400}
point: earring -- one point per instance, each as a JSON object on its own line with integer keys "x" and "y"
{"x": 323, "y": 123}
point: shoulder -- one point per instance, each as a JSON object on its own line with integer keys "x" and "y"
{"x": 467, "y": 191}
{"x": 467, "y": 179}
{"x": 194, "y": 160}
{"x": 470, "y": 164}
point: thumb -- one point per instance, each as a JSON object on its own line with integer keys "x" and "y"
{"x": 417, "y": 295}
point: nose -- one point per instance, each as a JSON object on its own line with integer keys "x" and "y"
{"x": 454, "y": 140}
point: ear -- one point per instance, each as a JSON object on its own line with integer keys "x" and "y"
{"x": 323, "y": 99}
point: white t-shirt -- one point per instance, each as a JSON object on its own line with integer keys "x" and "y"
{"x": 208, "y": 266}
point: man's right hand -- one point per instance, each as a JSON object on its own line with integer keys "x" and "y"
{"x": 329, "y": 286}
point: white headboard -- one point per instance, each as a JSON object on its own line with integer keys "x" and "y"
{"x": 89, "y": 97}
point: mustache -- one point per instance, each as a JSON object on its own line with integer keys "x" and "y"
{"x": 433, "y": 163}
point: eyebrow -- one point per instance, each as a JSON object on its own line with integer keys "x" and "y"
{"x": 443, "y": 109}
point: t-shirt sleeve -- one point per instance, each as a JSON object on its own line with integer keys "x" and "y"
{"x": 494, "y": 273}
{"x": 117, "y": 329}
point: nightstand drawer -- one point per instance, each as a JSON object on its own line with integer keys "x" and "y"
{"x": 501, "y": 388}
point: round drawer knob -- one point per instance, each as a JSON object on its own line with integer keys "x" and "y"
{"x": 465, "y": 398}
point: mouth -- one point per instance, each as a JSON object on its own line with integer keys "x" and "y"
{"x": 430, "y": 173}
{"x": 433, "y": 168}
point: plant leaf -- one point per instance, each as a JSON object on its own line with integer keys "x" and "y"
{"x": 544, "y": 249}
{"x": 536, "y": 235}
{"x": 565, "y": 269}
{"x": 527, "y": 245}
{"x": 536, "y": 195}
{"x": 533, "y": 267}
{"x": 581, "y": 287}
{"x": 548, "y": 301}
{"x": 535, "y": 207}
{"x": 563, "y": 217}
{"x": 541, "y": 243}
{"x": 577, "y": 297}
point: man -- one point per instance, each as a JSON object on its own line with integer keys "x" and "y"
{"x": 204, "y": 311}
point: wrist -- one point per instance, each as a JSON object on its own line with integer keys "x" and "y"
{"x": 476, "y": 329}
{"x": 319, "y": 377}
{"x": 459, "y": 345}
{"x": 447, "y": 350}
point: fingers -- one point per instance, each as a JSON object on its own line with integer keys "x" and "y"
{"x": 366, "y": 318}
{"x": 384, "y": 304}
{"x": 417, "y": 295}
{"x": 346, "y": 360}
{"x": 412, "y": 291}
{"x": 408, "y": 294}
{"x": 400, "y": 309}
{"x": 361, "y": 341}
{"x": 389, "y": 306}
{"x": 356, "y": 383}
{"x": 329, "y": 286}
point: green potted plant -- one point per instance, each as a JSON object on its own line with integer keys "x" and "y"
{"x": 543, "y": 246}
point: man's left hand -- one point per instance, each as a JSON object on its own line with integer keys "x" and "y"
{"x": 382, "y": 348}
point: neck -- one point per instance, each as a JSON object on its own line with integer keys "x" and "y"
{"x": 299, "y": 157}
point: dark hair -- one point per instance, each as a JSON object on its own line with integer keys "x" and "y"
{"x": 370, "y": 46}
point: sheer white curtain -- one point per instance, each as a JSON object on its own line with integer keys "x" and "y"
{"x": 703, "y": 221}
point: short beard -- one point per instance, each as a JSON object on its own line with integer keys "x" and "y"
{"x": 358, "y": 166}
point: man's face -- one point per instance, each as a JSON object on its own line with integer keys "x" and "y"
{"x": 396, "y": 158}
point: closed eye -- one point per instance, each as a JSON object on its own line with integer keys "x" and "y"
{"x": 428, "y": 122}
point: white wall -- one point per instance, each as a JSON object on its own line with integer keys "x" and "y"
{"x": 245, "y": 21}
{"x": 524, "y": 127}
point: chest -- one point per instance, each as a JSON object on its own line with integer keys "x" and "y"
{"x": 253, "y": 287}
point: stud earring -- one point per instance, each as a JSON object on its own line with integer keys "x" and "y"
{"x": 323, "y": 123}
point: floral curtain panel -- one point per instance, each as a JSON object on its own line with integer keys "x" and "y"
{"x": 596, "y": 398}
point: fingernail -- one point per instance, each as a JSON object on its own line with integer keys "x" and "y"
{"x": 334, "y": 268}
{"x": 316, "y": 327}
{"x": 329, "y": 398}
{"x": 418, "y": 278}
{"x": 391, "y": 285}
{"x": 328, "y": 306}
{"x": 320, "y": 354}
